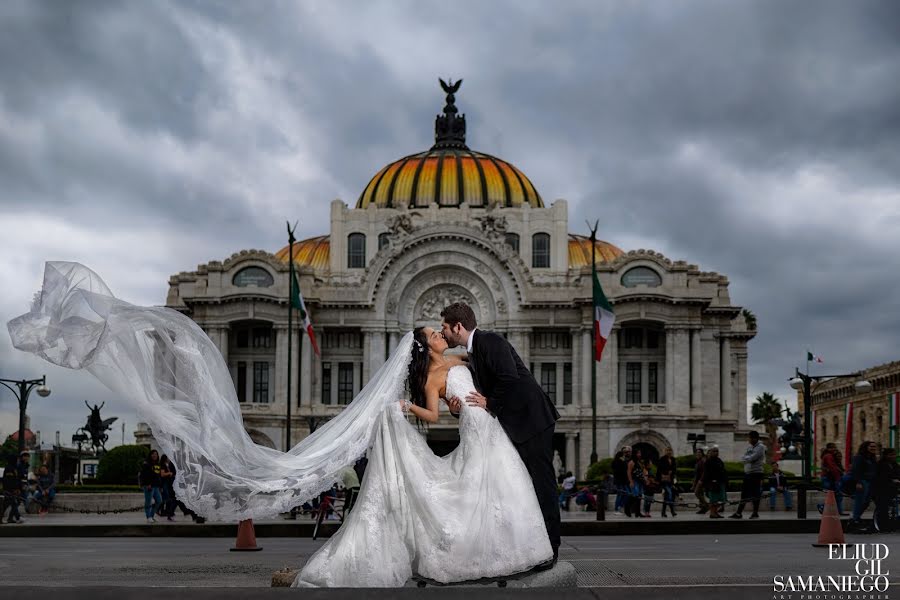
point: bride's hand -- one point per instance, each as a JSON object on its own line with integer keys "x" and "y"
{"x": 454, "y": 405}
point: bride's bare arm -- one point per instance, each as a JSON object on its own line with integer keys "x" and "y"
{"x": 430, "y": 412}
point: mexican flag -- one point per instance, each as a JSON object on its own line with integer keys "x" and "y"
{"x": 848, "y": 435}
{"x": 297, "y": 302}
{"x": 894, "y": 402}
{"x": 810, "y": 357}
{"x": 603, "y": 318}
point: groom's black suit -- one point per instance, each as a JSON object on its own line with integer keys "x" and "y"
{"x": 525, "y": 412}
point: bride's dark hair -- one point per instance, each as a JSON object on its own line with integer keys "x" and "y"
{"x": 418, "y": 368}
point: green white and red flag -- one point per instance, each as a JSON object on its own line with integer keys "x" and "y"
{"x": 810, "y": 357}
{"x": 297, "y": 302}
{"x": 603, "y": 317}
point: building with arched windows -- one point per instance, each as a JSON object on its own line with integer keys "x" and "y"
{"x": 452, "y": 224}
{"x": 848, "y": 417}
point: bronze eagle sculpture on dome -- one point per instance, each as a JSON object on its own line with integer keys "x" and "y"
{"x": 450, "y": 88}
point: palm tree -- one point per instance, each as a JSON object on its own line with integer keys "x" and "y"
{"x": 764, "y": 409}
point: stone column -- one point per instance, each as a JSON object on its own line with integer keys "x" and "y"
{"x": 525, "y": 349}
{"x": 376, "y": 352}
{"x": 393, "y": 340}
{"x": 725, "y": 377}
{"x": 586, "y": 359}
{"x": 575, "y": 358}
{"x": 696, "y": 383}
{"x": 670, "y": 365}
{"x": 281, "y": 365}
{"x": 367, "y": 356}
{"x": 682, "y": 373}
{"x": 611, "y": 357}
{"x": 306, "y": 367}
{"x": 571, "y": 458}
{"x": 223, "y": 343}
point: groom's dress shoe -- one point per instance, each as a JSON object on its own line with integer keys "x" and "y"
{"x": 548, "y": 564}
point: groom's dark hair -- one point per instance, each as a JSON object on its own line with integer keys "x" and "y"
{"x": 460, "y": 312}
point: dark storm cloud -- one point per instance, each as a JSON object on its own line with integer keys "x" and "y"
{"x": 760, "y": 140}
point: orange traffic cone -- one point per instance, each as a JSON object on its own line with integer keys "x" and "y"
{"x": 246, "y": 538}
{"x": 830, "y": 531}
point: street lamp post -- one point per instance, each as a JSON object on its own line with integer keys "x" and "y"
{"x": 22, "y": 390}
{"x": 79, "y": 439}
{"x": 804, "y": 382}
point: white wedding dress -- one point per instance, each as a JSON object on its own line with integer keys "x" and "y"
{"x": 471, "y": 514}
{"x": 468, "y": 515}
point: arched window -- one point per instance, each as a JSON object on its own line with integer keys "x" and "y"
{"x": 879, "y": 422}
{"x": 641, "y": 276}
{"x": 253, "y": 276}
{"x": 862, "y": 422}
{"x": 383, "y": 240}
{"x": 512, "y": 239}
{"x": 540, "y": 251}
{"x": 824, "y": 432}
{"x": 837, "y": 428}
{"x": 356, "y": 251}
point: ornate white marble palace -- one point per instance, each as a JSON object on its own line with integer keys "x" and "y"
{"x": 453, "y": 224}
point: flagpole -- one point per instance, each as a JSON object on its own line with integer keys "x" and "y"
{"x": 593, "y": 347}
{"x": 291, "y": 240}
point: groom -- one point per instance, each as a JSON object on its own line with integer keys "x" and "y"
{"x": 509, "y": 391}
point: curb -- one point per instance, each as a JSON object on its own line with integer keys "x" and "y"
{"x": 292, "y": 529}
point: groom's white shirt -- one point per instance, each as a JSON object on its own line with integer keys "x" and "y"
{"x": 470, "y": 340}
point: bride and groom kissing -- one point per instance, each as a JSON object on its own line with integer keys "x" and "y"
{"x": 489, "y": 508}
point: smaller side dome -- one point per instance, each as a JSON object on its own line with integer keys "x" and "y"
{"x": 314, "y": 252}
{"x": 580, "y": 251}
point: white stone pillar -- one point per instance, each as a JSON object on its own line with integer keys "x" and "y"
{"x": 525, "y": 349}
{"x": 696, "y": 383}
{"x": 306, "y": 374}
{"x": 376, "y": 352}
{"x": 223, "y": 343}
{"x": 280, "y": 365}
{"x": 367, "y": 356}
{"x": 575, "y": 358}
{"x": 670, "y": 366}
{"x": 586, "y": 359}
{"x": 393, "y": 340}
{"x": 682, "y": 373}
{"x": 571, "y": 458}
{"x": 725, "y": 376}
{"x": 611, "y": 358}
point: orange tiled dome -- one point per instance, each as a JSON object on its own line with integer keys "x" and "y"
{"x": 313, "y": 252}
{"x": 580, "y": 251}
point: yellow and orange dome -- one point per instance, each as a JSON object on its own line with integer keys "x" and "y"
{"x": 449, "y": 177}
{"x": 315, "y": 252}
{"x": 580, "y": 251}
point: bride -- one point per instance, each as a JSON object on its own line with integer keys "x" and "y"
{"x": 468, "y": 515}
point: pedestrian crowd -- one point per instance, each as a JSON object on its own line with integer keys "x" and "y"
{"x": 21, "y": 487}
{"x": 873, "y": 477}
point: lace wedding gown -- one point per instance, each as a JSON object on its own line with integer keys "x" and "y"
{"x": 468, "y": 515}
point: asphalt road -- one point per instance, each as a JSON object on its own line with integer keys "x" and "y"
{"x": 628, "y": 562}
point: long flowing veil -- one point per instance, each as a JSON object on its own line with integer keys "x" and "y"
{"x": 164, "y": 364}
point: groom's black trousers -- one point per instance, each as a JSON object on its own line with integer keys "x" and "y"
{"x": 537, "y": 454}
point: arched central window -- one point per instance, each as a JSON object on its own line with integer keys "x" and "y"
{"x": 540, "y": 251}
{"x": 356, "y": 251}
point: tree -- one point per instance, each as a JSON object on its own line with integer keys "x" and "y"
{"x": 764, "y": 409}
{"x": 122, "y": 464}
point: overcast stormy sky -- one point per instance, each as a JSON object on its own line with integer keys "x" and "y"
{"x": 758, "y": 139}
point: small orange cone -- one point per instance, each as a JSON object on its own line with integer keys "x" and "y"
{"x": 246, "y": 538}
{"x": 830, "y": 531}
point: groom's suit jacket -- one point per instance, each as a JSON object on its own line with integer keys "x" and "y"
{"x": 513, "y": 395}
